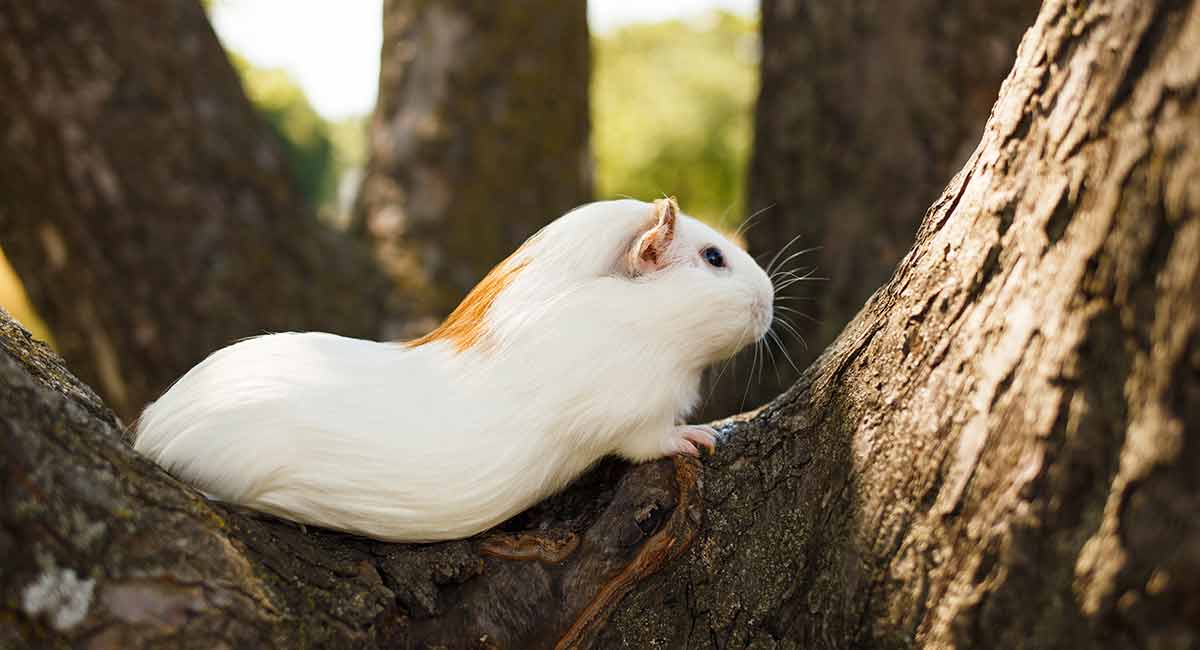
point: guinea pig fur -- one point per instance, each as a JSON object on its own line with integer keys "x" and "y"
{"x": 589, "y": 340}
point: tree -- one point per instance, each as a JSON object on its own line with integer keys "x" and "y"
{"x": 1001, "y": 450}
{"x": 673, "y": 102}
{"x": 866, "y": 108}
{"x": 479, "y": 137}
{"x": 144, "y": 204}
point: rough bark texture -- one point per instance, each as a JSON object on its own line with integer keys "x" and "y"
{"x": 479, "y": 138}
{"x": 1001, "y": 450}
{"x": 145, "y": 205}
{"x": 867, "y": 108}
{"x": 101, "y": 549}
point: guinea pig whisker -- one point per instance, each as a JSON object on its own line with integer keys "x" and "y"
{"x": 808, "y": 318}
{"x": 798, "y": 254}
{"x": 780, "y": 283}
{"x": 762, "y": 361}
{"x": 803, "y": 272}
{"x": 771, "y": 265}
{"x": 748, "y": 222}
{"x": 808, "y": 277}
{"x": 789, "y": 282}
{"x": 795, "y": 275}
{"x": 762, "y": 368}
{"x": 786, "y": 274}
{"x": 790, "y": 310}
{"x": 800, "y": 298}
{"x": 791, "y": 329}
{"x": 733, "y": 361}
{"x": 799, "y": 269}
{"x": 789, "y": 324}
{"x": 749, "y": 378}
{"x": 786, "y": 355}
{"x": 772, "y": 336}
{"x": 809, "y": 271}
{"x": 766, "y": 343}
{"x": 746, "y": 392}
{"x": 712, "y": 387}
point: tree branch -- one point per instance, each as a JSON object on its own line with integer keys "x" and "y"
{"x": 102, "y": 547}
{"x": 1000, "y": 450}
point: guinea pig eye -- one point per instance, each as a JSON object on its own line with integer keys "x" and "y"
{"x": 713, "y": 256}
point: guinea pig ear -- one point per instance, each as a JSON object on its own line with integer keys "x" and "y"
{"x": 649, "y": 251}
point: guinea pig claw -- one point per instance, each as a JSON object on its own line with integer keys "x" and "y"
{"x": 688, "y": 438}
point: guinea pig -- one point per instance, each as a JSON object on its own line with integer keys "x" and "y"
{"x": 589, "y": 340}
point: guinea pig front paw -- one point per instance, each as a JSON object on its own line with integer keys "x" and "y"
{"x": 688, "y": 438}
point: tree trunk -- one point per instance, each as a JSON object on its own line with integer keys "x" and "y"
{"x": 1001, "y": 450}
{"x": 866, "y": 109}
{"x": 145, "y": 205}
{"x": 101, "y": 548}
{"x": 479, "y": 138}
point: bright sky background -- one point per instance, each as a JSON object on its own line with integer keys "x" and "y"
{"x": 331, "y": 47}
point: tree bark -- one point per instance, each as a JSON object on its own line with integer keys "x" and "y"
{"x": 479, "y": 138}
{"x": 866, "y": 109}
{"x": 102, "y": 549}
{"x": 1001, "y": 450}
{"x": 144, "y": 204}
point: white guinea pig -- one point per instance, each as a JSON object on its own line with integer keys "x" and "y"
{"x": 589, "y": 340}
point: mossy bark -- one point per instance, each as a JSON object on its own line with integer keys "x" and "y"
{"x": 145, "y": 205}
{"x": 479, "y": 138}
{"x": 866, "y": 109}
{"x": 1001, "y": 450}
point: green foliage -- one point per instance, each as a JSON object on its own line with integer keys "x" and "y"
{"x": 672, "y": 110}
{"x": 349, "y": 137}
{"x": 671, "y": 113}
{"x": 306, "y": 137}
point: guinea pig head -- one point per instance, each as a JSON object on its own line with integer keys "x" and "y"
{"x": 719, "y": 297}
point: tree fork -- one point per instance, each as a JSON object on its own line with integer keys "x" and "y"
{"x": 865, "y": 109}
{"x": 1001, "y": 450}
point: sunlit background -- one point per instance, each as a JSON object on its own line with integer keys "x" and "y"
{"x": 340, "y": 76}
{"x": 673, "y": 87}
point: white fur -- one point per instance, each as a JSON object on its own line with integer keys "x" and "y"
{"x": 581, "y": 359}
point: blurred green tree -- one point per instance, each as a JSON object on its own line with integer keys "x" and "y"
{"x": 304, "y": 134}
{"x": 671, "y": 112}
